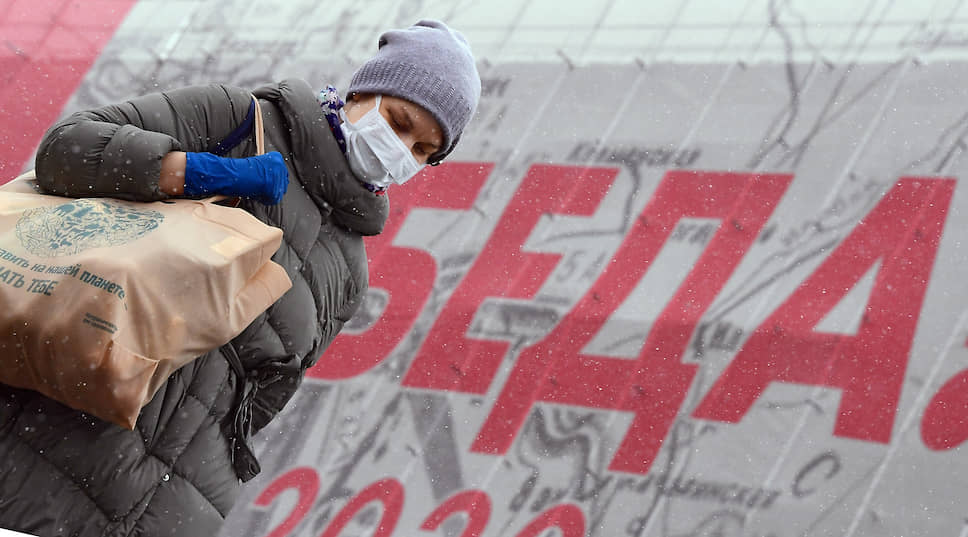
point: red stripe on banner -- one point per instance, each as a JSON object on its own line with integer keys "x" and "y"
{"x": 46, "y": 48}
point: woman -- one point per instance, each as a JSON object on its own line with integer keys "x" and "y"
{"x": 323, "y": 182}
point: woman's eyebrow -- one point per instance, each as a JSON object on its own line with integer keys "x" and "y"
{"x": 407, "y": 123}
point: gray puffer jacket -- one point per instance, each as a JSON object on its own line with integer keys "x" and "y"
{"x": 63, "y": 472}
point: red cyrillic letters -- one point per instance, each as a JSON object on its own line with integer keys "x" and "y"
{"x": 902, "y": 232}
{"x": 653, "y": 385}
{"x": 407, "y": 274}
{"x": 945, "y": 422}
{"x": 448, "y": 359}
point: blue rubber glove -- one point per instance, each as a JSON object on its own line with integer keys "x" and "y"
{"x": 263, "y": 177}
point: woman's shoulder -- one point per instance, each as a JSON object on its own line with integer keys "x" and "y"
{"x": 293, "y": 90}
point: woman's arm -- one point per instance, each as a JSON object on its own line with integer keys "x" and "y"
{"x": 125, "y": 150}
{"x": 197, "y": 174}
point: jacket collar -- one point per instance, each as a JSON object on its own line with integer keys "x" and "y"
{"x": 320, "y": 164}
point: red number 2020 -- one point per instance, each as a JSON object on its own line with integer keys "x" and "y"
{"x": 390, "y": 493}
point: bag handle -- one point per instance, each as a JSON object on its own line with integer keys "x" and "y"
{"x": 260, "y": 144}
{"x": 260, "y": 149}
{"x": 252, "y": 123}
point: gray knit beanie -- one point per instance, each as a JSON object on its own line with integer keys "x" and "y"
{"x": 428, "y": 64}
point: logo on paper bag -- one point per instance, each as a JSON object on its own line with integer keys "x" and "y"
{"x": 82, "y": 224}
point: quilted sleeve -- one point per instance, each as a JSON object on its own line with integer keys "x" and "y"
{"x": 116, "y": 150}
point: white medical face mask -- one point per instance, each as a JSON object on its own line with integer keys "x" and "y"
{"x": 375, "y": 153}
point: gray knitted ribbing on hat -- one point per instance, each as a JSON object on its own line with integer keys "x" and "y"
{"x": 430, "y": 65}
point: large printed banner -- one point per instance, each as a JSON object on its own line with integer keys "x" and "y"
{"x": 653, "y": 299}
{"x": 675, "y": 301}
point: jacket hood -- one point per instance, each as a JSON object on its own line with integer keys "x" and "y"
{"x": 319, "y": 162}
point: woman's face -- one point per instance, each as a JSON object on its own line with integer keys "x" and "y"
{"x": 415, "y": 126}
